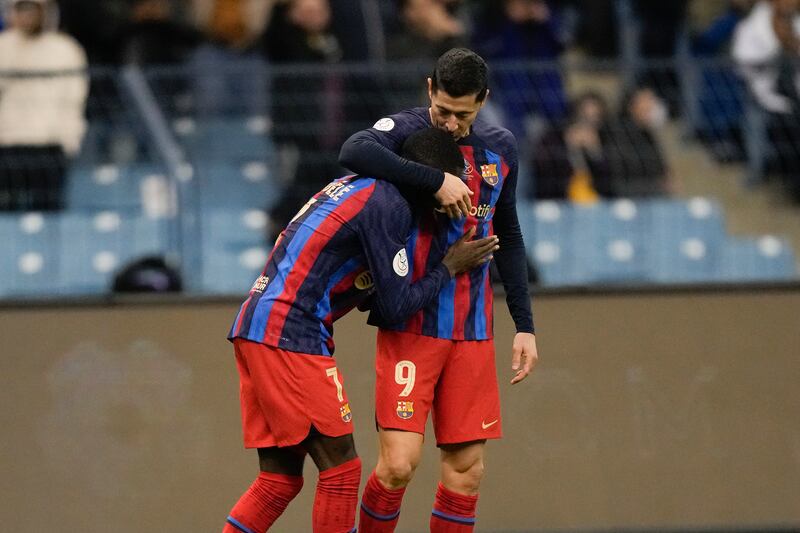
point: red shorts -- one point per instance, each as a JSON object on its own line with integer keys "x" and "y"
{"x": 284, "y": 393}
{"x": 457, "y": 378}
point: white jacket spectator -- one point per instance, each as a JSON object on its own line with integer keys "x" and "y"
{"x": 43, "y": 87}
{"x": 757, "y": 47}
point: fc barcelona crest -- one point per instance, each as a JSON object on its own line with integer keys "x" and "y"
{"x": 345, "y": 412}
{"x": 489, "y": 174}
{"x": 405, "y": 409}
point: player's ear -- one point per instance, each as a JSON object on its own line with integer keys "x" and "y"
{"x": 486, "y": 97}
{"x": 430, "y": 88}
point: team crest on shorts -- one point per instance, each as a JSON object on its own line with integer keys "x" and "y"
{"x": 344, "y": 410}
{"x": 489, "y": 174}
{"x": 405, "y": 409}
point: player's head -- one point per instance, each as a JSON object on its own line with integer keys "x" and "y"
{"x": 435, "y": 148}
{"x": 458, "y": 89}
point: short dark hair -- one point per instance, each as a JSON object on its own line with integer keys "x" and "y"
{"x": 460, "y": 72}
{"x": 435, "y": 148}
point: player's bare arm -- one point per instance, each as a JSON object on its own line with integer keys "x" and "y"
{"x": 523, "y": 356}
{"x": 466, "y": 254}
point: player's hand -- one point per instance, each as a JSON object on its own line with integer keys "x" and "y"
{"x": 454, "y": 196}
{"x": 466, "y": 254}
{"x": 523, "y": 356}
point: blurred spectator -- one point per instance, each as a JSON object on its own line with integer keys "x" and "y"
{"x": 720, "y": 106}
{"x": 43, "y": 89}
{"x": 307, "y": 108}
{"x": 766, "y": 47}
{"x": 153, "y": 37}
{"x": 638, "y": 167}
{"x": 661, "y": 24}
{"x": 81, "y": 19}
{"x": 570, "y": 163}
{"x": 519, "y": 30}
{"x": 229, "y": 74}
{"x": 150, "y": 274}
{"x": 429, "y": 30}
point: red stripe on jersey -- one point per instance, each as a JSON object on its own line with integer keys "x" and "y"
{"x": 422, "y": 248}
{"x": 305, "y": 260}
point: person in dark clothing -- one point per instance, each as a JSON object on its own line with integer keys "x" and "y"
{"x": 307, "y": 107}
{"x": 570, "y": 162}
{"x": 524, "y": 30}
{"x": 638, "y": 167}
{"x": 153, "y": 37}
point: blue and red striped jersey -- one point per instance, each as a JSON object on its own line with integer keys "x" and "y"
{"x": 346, "y": 244}
{"x": 463, "y": 309}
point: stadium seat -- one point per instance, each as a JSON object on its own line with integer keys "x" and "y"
{"x": 232, "y": 184}
{"x": 234, "y": 250}
{"x": 29, "y": 264}
{"x": 111, "y": 186}
{"x": 224, "y": 138}
{"x": 765, "y": 258}
{"x": 96, "y": 245}
{"x": 685, "y": 240}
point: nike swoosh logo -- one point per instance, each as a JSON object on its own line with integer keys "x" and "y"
{"x": 490, "y": 424}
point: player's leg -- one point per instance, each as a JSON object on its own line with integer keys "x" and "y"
{"x": 281, "y": 469}
{"x": 407, "y": 368}
{"x": 279, "y": 481}
{"x": 466, "y": 412}
{"x": 337, "y": 488}
{"x": 457, "y": 495}
{"x": 399, "y": 455}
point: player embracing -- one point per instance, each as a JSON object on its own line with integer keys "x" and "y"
{"x": 347, "y": 244}
{"x": 441, "y": 360}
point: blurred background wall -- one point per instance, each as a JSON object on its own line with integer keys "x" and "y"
{"x": 662, "y": 410}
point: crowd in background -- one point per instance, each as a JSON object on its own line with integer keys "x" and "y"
{"x": 579, "y": 147}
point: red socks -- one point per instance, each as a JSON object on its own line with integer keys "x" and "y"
{"x": 263, "y": 503}
{"x": 380, "y": 507}
{"x": 453, "y": 512}
{"x": 336, "y": 498}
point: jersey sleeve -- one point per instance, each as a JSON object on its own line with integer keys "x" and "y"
{"x": 374, "y": 152}
{"x": 383, "y": 227}
{"x": 510, "y": 258}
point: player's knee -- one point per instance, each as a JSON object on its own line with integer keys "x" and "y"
{"x": 464, "y": 476}
{"x": 396, "y": 471}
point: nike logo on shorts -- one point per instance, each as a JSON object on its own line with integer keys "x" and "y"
{"x": 484, "y": 425}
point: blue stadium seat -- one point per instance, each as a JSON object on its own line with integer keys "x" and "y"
{"x": 110, "y": 186}
{"x": 225, "y": 138}
{"x": 765, "y": 258}
{"x": 229, "y": 184}
{"x": 96, "y": 245}
{"x": 29, "y": 264}
{"x": 685, "y": 240}
{"x": 234, "y": 249}
{"x": 545, "y": 228}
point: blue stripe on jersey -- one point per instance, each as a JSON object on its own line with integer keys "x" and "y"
{"x": 495, "y": 159}
{"x": 478, "y": 306}
{"x": 446, "y": 315}
{"x": 293, "y": 250}
{"x": 324, "y": 305}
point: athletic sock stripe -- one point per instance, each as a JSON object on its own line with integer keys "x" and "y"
{"x": 454, "y": 518}
{"x": 376, "y": 516}
{"x": 238, "y": 525}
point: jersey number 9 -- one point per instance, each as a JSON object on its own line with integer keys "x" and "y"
{"x": 405, "y": 373}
